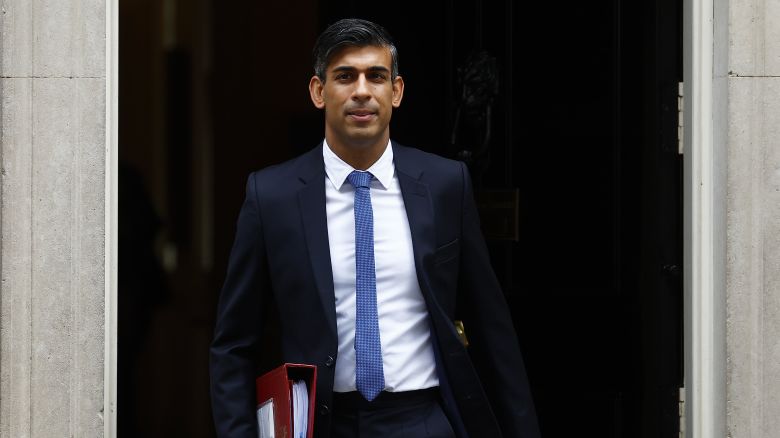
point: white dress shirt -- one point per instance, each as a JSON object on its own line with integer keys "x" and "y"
{"x": 407, "y": 353}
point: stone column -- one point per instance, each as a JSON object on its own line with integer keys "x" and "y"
{"x": 753, "y": 219}
{"x": 53, "y": 147}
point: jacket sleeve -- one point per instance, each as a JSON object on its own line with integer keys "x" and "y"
{"x": 493, "y": 342}
{"x": 237, "y": 333}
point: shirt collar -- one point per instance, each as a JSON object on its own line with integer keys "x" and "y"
{"x": 338, "y": 170}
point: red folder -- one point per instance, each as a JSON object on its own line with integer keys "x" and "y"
{"x": 277, "y": 385}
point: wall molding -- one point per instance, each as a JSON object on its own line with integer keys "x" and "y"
{"x": 704, "y": 226}
{"x": 111, "y": 217}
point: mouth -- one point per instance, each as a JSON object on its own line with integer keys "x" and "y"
{"x": 361, "y": 115}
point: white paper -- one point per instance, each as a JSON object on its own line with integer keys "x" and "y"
{"x": 300, "y": 395}
{"x": 265, "y": 419}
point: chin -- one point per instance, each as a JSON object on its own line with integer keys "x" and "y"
{"x": 364, "y": 134}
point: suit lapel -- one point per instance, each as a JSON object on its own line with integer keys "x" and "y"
{"x": 311, "y": 200}
{"x": 419, "y": 209}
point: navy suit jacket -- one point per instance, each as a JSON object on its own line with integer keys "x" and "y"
{"x": 280, "y": 262}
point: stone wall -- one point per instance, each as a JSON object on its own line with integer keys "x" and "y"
{"x": 753, "y": 219}
{"x": 53, "y": 217}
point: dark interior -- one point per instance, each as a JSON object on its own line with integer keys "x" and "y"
{"x": 579, "y": 184}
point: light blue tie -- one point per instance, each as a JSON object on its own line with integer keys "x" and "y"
{"x": 369, "y": 375}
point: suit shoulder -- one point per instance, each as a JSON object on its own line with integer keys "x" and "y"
{"x": 428, "y": 162}
{"x": 276, "y": 175}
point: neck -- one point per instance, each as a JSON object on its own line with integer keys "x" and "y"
{"x": 360, "y": 156}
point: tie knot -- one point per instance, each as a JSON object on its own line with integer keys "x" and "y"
{"x": 360, "y": 179}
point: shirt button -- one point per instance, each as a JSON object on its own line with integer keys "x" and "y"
{"x": 329, "y": 361}
{"x": 324, "y": 409}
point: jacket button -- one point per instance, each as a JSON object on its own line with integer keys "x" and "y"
{"x": 324, "y": 409}
{"x": 329, "y": 361}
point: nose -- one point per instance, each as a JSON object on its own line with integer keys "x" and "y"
{"x": 362, "y": 91}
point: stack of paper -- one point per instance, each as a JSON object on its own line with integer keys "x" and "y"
{"x": 300, "y": 408}
{"x": 265, "y": 419}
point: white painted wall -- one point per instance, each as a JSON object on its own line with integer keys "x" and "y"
{"x": 704, "y": 226}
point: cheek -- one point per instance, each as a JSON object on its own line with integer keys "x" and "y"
{"x": 330, "y": 114}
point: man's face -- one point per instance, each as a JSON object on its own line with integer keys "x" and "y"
{"x": 358, "y": 95}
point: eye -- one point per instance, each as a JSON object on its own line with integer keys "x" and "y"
{"x": 377, "y": 76}
{"x": 344, "y": 76}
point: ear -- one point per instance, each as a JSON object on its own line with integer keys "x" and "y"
{"x": 315, "y": 91}
{"x": 398, "y": 91}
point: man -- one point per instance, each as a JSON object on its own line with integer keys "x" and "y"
{"x": 366, "y": 250}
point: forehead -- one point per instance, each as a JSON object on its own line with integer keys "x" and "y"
{"x": 361, "y": 57}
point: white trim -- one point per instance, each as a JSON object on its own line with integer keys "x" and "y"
{"x": 704, "y": 303}
{"x": 111, "y": 214}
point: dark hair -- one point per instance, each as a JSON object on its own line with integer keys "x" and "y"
{"x": 352, "y": 32}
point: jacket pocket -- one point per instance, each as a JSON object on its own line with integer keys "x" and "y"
{"x": 446, "y": 252}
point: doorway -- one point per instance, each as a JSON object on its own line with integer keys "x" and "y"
{"x": 583, "y": 143}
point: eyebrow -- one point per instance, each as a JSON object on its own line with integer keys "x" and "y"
{"x": 372, "y": 68}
